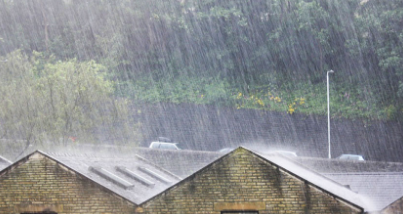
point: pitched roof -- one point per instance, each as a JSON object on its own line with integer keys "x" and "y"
{"x": 152, "y": 181}
{"x": 109, "y": 162}
{"x": 185, "y": 163}
{"x": 179, "y": 162}
{"x": 379, "y": 182}
{"x": 318, "y": 180}
{"x": 315, "y": 179}
{"x": 382, "y": 188}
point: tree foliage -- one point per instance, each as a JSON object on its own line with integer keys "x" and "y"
{"x": 43, "y": 99}
{"x": 248, "y": 44}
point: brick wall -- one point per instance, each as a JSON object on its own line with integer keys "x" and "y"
{"x": 243, "y": 181}
{"x": 41, "y": 183}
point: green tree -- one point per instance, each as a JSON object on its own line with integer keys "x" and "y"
{"x": 49, "y": 100}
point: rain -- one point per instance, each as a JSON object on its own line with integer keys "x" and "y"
{"x": 109, "y": 78}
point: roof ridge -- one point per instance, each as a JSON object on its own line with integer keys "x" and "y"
{"x": 189, "y": 176}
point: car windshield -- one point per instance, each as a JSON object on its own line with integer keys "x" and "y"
{"x": 180, "y": 146}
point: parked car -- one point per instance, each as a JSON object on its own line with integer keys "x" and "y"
{"x": 225, "y": 150}
{"x": 165, "y": 143}
{"x": 287, "y": 153}
{"x": 351, "y": 157}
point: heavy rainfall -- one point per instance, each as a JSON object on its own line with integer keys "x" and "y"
{"x": 175, "y": 85}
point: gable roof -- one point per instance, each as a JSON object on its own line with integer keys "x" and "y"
{"x": 379, "y": 182}
{"x": 179, "y": 162}
{"x": 322, "y": 183}
{"x": 382, "y": 187}
{"x": 86, "y": 166}
{"x": 189, "y": 163}
{"x": 35, "y": 155}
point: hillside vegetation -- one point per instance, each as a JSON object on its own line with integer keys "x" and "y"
{"x": 262, "y": 54}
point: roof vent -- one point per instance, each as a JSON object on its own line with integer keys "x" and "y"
{"x": 112, "y": 177}
{"x": 135, "y": 176}
{"x": 155, "y": 175}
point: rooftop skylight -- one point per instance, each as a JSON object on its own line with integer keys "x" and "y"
{"x": 135, "y": 176}
{"x": 155, "y": 175}
{"x": 112, "y": 177}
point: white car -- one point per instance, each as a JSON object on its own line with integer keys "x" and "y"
{"x": 351, "y": 157}
{"x": 225, "y": 150}
{"x": 164, "y": 145}
{"x": 287, "y": 153}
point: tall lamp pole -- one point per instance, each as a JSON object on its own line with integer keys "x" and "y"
{"x": 328, "y": 110}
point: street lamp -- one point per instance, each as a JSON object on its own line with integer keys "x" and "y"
{"x": 328, "y": 110}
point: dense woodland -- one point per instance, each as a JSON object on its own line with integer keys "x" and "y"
{"x": 262, "y": 54}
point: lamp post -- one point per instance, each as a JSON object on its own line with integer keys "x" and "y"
{"x": 328, "y": 110}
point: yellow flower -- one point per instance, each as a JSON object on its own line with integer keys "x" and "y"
{"x": 239, "y": 95}
{"x": 291, "y": 111}
{"x": 291, "y": 108}
{"x": 260, "y": 102}
{"x": 301, "y": 101}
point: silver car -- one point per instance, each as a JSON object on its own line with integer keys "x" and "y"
{"x": 351, "y": 157}
{"x": 164, "y": 145}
